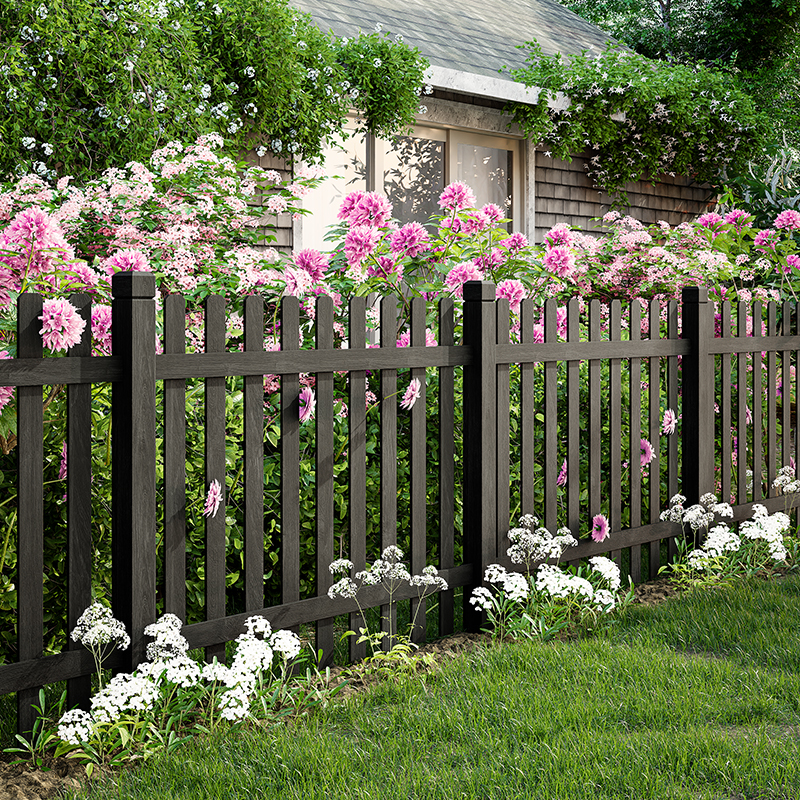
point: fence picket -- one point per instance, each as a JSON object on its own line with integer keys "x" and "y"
{"x": 527, "y": 414}
{"x": 253, "y": 448}
{"x": 615, "y": 426}
{"x": 725, "y": 407}
{"x": 357, "y": 460}
{"x": 388, "y": 397}
{"x": 447, "y": 460}
{"x": 595, "y": 420}
{"x": 654, "y": 470}
{"x": 772, "y": 430}
{"x": 503, "y": 405}
{"x": 786, "y": 387}
{"x": 672, "y": 402}
{"x": 418, "y": 469}
{"x": 741, "y": 410}
{"x": 215, "y": 567}
{"x": 574, "y": 483}
{"x": 175, "y": 463}
{"x": 635, "y": 438}
{"x": 30, "y": 507}
{"x": 758, "y": 381}
{"x": 551, "y": 462}
{"x": 79, "y": 499}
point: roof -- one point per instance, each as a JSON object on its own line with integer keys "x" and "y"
{"x": 474, "y": 36}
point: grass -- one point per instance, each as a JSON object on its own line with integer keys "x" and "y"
{"x": 698, "y": 698}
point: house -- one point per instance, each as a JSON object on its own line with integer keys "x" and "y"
{"x": 462, "y": 132}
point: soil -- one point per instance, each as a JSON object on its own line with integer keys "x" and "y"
{"x": 19, "y": 781}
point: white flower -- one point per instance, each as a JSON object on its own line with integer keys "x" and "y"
{"x": 286, "y": 643}
{"x": 607, "y": 569}
{"x": 76, "y": 726}
{"x": 97, "y": 628}
{"x": 215, "y": 672}
{"x": 482, "y": 598}
{"x": 258, "y": 625}
{"x": 344, "y": 588}
{"x": 182, "y": 671}
{"x": 249, "y": 72}
{"x": 605, "y": 600}
{"x": 342, "y": 565}
{"x": 28, "y": 142}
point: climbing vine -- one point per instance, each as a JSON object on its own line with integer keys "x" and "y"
{"x": 638, "y": 118}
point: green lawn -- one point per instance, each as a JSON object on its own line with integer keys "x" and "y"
{"x": 697, "y": 698}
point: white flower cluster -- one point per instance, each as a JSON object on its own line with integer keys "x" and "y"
{"x": 697, "y": 516}
{"x": 769, "y": 528}
{"x": 557, "y": 583}
{"x": 608, "y": 570}
{"x": 786, "y": 482}
{"x": 124, "y": 693}
{"x": 531, "y": 543}
{"x": 96, "y": 628}
{"x": 168, "y": 642}
{"x": 388, "y": 570}
{"x": 514, "y": 585}
{"x": 76, "y": 726}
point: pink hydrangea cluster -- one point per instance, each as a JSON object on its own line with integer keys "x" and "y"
{"x": 410, "y": 240}
{"x": 32, "y": 244}
{"x": 788, "y": 219}
{"x": 313, "y": 262}
{"x": 359, "y": 242}
{"x": 460, "y": 274}
{"x": 513, "y": 291}
{"x": 366, "y": 208}
{"x": 560, "y": 261}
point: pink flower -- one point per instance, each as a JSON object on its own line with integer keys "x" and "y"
{"x": 793, "y": 261}
{"x": 736, "y": 217}
{"x": 457, "y": 196}
{"x": 313, "y": 262}
{"x": 514, "y": 243}
{"x": 62, "y": 326}
{"x": 514, "y": 291}
{"x": 6, "y": 392}
{"x": 412, "y": 394}
{"x": 372, "y": 209}
{"x": 599, "y": 528}
{"x": 128, "y": 260}
{"x": 34, "y": 241}
{"x": 559, "y": 236}
{"x": 710, "y": 220}
{"x": 647, "y": 454}
{"x": 560, "y": 261}
{"x": 493, "y": 213}
{"x": 459, "y": 275}
{"x": 62, "y": 470}
{"x": 561, "y": 480}
{"x": 410, "y": 240}
{"x": 277, "y": 204}
{"x": 788, "y": 219}
{"x": 213, "y": 499}
{"x": 348, "y": 204}
{"x": 101, "y": 327}
{"x": 307, "y": 404}
{"x": 669, "y": 423}
{"x": 298, "y": 281}
{"x": 359, "y": 242}
{"x": 765, "y": 239}
{"x": 475, "y": 222}
{"x": 385, "y": 268}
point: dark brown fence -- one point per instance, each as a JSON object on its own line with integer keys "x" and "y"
{"x": 511, "y": 461}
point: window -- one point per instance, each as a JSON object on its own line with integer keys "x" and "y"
{"x": 412, "y": 171}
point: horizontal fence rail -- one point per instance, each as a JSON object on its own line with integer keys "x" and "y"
{"x": 544, "y": 412}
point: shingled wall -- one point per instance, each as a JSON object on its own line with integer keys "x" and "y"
{"x": 564, "y": 193}
{"x": 283, "y": 231}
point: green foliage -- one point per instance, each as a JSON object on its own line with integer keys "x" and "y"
{"x": 88, "y": 85}
{"x": 638, "y": 117}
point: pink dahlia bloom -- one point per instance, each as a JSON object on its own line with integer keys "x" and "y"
{"x": 412, "y": 394}
{"x": 459, "y": 275}
{"x": 213, "y": 499}
{"x": 128, "y": 261}
{"x": 385, "y": 268}
{"x": 372, "y": 209}
{"x": 737, "y": 217}
{"x": 62, "y": 326}
{"x": 513, "y": 291}
{"x": 710, "y": 220}
{"x": 560, "y": 261}
{"x": 348, "y": 205}
{"x": 515, "y": 243}
{"x": 359, "y": 242}
{"x": 6, "y": 392}
{"x": 101, "y": 327}
{"x": 647, "y": 453}
{"x": 308, "y": 403}
{"x": 457, "y": 196}
{"x": 62, "y": 469}
{"x": 493, "y": 212}
{"x": 788, "y": 219}
{"x": 559, "y": 236}
{"x": 33, "y": 242}
{"x": 765, "y": 239}
{"x": 561, "y": 480}
{"x": 669, "y": 423}
{"x": 600, "y": 528}
{"x": 410, "y": 240}
{"x": 313, "y": 262}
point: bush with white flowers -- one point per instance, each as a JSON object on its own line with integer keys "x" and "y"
{"x": 390, "y": 572}
{"x": 551, "y": 599}
{"x": 135, "y": 714}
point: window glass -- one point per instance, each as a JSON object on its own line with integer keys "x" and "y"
{"x": 345, "y": 171}
{"x": 413, "y": 177}
{"x": 488, "y": 170}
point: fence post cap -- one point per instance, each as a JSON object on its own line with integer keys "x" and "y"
{"x": 694, "y": 294}
{"x": 134, "y": 285}
{"x": 479, "y": 290}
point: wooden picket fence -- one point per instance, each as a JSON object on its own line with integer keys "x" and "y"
{"x": 487, "y": 481}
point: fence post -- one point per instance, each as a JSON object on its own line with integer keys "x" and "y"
{"x": 480, "y": 438}
{"x": 133, "y": 459}
{"x": 697, "y": 385}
